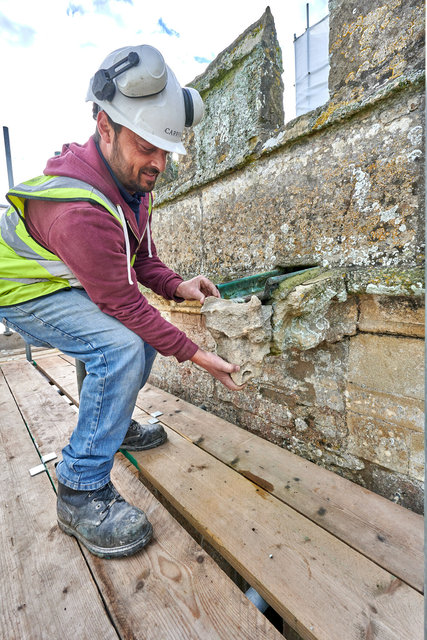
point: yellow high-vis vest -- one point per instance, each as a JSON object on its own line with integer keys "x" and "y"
{"x": 28, "y": 270}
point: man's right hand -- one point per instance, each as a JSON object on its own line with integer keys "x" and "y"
{"x": 217, "y": 367}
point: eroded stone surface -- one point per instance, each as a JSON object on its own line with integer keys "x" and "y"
{"x": 388, "y": 364}
{"x": 387, "y": 281}
{"x": 242, "y": 333}
{"x": 300, "y": 312}
{"x": 352, "y": 195}
{"x": 243, "y": 94}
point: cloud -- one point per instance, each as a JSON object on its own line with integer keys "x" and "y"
{"x": 202, "y": 60}
{"x": 17, "y": 34}
{"x": 74, "y": 8}
{"x": 104, "y": 6}
{"x": 165, "y": 29}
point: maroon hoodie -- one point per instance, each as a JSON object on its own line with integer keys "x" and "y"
{"x": 91, "y": 243}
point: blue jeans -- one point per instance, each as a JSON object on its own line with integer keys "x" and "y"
{"x": 118, "y": 363}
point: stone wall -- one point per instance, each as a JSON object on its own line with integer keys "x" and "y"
{"x": 341, "y": 190}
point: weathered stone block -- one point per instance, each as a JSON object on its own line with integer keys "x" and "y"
{"x": 342, "y": 319}
{"x": 417, "y": 456}
{"x": 379, "y": 441}
{"x": 406, "y": 413}
{"x": 285, "y": 378}
{"x": 383, "y": 314}
{"x": 242, "y": 333}
{"x": 178, "y": 233}
{"x": 400, "y": 281}
{"x": 389, "y": 364}
{"x": 243, "y": 94}
{"x": 351, "y": 195}
{"x": 372, "y": 42}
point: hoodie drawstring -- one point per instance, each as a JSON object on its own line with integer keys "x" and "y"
{"x": 127, "y": 245}
{"x": 147, "y": 229}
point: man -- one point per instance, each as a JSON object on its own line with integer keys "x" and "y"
{"x": 74, "y": 244}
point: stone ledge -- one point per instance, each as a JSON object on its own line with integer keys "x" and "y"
{"x": 312, "y": 307}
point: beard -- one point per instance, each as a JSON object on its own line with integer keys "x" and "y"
{"x": 143, "y": 179}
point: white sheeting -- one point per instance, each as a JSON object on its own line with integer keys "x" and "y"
{"x": 312, "y": 67}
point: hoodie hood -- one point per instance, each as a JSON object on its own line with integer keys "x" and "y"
{"x": 82, "y": 161}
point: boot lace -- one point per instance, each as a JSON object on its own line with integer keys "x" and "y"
{"x": 108, "y": 492}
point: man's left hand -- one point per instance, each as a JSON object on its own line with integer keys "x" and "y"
{"x": 197, "y": 288}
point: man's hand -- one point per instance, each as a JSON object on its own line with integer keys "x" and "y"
{"x": 217, "y": 367}
{"x": 197, "y": 288}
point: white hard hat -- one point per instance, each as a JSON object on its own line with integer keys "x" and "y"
{"x": 136, "y": 88}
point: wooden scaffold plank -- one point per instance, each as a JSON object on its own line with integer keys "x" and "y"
{"x": 311, "y": 568}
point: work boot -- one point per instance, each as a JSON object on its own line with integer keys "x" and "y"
{"x": 103, "y": 521}
{"x": 143, "y": 436}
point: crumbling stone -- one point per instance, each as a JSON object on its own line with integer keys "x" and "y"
{"x": 242, "y": 333}
{"x": 300, "y": 312}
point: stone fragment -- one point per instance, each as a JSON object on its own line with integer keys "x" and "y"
{"x": 242, "y": 333}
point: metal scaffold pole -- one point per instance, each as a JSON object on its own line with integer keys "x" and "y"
{"x": 11, "y": 183}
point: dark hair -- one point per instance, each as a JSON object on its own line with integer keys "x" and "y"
{"x": 116, "y": 127}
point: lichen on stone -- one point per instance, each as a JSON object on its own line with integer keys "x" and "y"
{"x": 392, "y": 281}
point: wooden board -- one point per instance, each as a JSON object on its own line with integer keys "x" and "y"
{"x": 170, "y": 591}
{"x": 385, "y": 532}
{"x": 46, "y": 588}
{"x": 388, "y": 534}
{"x": 62, "y": 372}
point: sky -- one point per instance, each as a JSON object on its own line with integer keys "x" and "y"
{"x": 49, "y": 50}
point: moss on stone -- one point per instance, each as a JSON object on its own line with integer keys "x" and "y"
{"x": 286, "y": 286}
{"x": 392, "y": 281}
